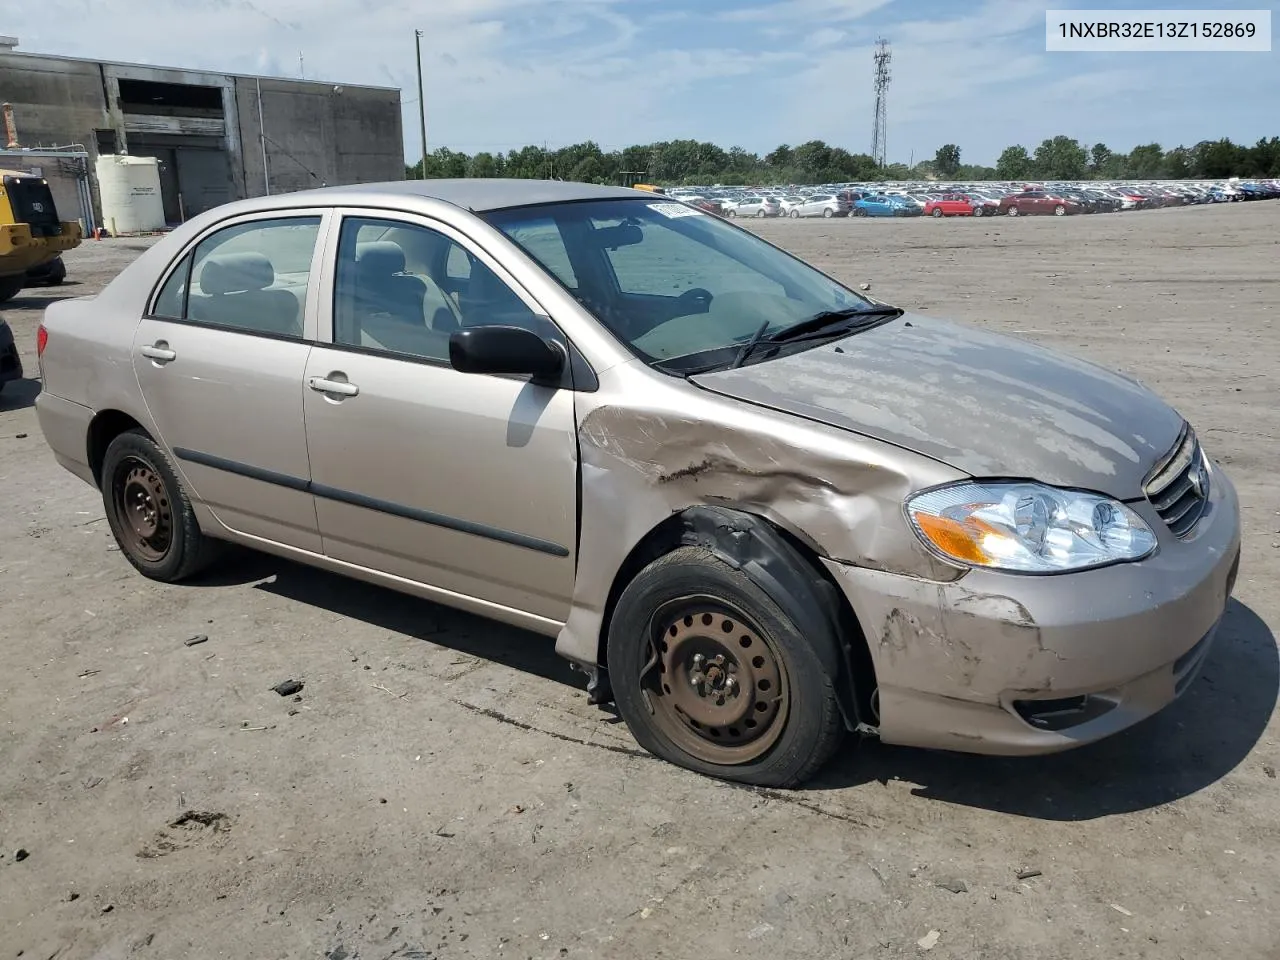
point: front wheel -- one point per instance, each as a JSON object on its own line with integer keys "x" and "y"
{"x": 709, "y": 673}
{"x": 1013, "y": 211}
{"x": 1059, "y": 211}
{"x": 732, "y": 213}
{"x": 795, "y": 214}
{"x": 937, "y": 211}
{"x": 828, "y": 213}
{"x": 148, "y": 511}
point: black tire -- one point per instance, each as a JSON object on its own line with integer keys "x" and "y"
{"x": 1013, "y": 211}
{"x": 1059, "y": 211}
{"x": 57, "y": 273}
{"x": 802, "y": 722}
{"x": 828, "y": 213}
{"x": 795, "y": 214}
{"x": 977, "y": 211}
{"x": 937, "y": 211}
{"x": 11, "y": 286}
{"x": 135, "y": 471}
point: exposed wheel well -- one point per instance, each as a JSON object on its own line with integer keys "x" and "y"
{"x": 105, "y": 427}
{"x": 673, "y": 533}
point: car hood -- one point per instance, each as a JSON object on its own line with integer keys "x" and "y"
{"x": 987, "y": 404}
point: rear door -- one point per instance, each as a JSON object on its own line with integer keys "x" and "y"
{"x": 220, "y": 360}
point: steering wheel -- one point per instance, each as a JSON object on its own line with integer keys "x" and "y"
{"x": 697, "y": 295}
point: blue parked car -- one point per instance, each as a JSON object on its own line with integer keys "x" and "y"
{"x": 883, "y": 206}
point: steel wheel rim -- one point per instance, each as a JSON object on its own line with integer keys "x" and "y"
{"x": 143, "y": 507}
{"x": 713, "y": 683}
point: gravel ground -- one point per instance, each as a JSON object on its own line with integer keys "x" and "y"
{"x": 442, "y": 789}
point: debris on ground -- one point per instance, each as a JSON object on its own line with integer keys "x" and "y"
{"x": 955, "y": 886}
{"x": 1269, "y": 770}
{"x": 929, "y": 940}
{"x": 1029, "y": 873}
{"x": 199, "y": 638}
{"x": 20, "y": 855}
{"x": 288, "y": 688}
{"x": 755, "y": 933}
{"x": 1119, "y": 909}
{"x": 219, "y": 821}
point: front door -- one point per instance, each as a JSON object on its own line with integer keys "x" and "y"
{"x": 220, "y": 360}
{"x": 463, "y": 482}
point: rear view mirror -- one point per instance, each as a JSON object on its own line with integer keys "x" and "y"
{"x": 500, "y": 349}
{"x": 623, "y": 235}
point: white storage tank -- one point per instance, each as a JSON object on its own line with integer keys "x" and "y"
{"x": 131, "y": 198}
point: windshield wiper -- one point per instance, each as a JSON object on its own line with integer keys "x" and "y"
{"x": 809, "y": 325}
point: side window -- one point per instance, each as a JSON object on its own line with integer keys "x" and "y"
{"x": 171, "y": 302}
{"x": 253, "y": 276}
{"x": 404, "y": 289}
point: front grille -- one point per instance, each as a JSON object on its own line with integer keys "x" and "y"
{"x": 1179, "y": 486}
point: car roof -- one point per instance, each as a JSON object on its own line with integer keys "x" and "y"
{"x": 478, "y": 195}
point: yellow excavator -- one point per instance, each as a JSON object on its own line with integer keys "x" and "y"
{"x": 31, "y": 235}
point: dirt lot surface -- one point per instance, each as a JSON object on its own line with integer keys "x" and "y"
{"x": 442, "y": 789}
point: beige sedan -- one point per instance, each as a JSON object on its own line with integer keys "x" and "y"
{"x": 757, "y": 509}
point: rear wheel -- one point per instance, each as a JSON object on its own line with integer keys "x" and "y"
{"x": 977, "y": 211}
{"x": 760, "y": 212}
{"x": 828, "y": 213}
{"x": 795, "y": 214}
{"x": 709, "y": 673}
{"x": 149, "y": 512}
{"x": 1013, "y": 211}
{"x": 937, "y": 211}
{"x": 1059, "y": 210}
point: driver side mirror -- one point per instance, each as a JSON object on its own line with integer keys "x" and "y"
{"x": 502, "y": 349}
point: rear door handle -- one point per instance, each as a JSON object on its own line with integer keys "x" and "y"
{"x": 339, "y": 387}
{"x": 159, "y": 352}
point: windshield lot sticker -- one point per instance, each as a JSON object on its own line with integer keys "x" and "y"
{"x": 674, "y": 210}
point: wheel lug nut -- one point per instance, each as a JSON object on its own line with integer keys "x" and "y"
{"x": 699, "y": 661}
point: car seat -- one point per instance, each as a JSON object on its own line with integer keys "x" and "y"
{"x": 236, "y": 293}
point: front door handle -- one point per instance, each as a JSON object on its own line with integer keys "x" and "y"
{"x": 159, "y": 351}
{"x": 340, "y": 387}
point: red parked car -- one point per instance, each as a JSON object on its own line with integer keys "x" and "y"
{"x": 1038, "y": 202}
{"x": 953, "y": 205}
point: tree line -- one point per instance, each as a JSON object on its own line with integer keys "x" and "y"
{"x": 674, "y": 162}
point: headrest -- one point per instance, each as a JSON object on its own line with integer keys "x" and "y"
{"x": 236, "y": 273}
{"x": 382, "y": 257}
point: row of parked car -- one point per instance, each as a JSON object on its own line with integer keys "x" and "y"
{"x": 964, "y": 200}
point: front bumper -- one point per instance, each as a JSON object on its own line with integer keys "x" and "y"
{"x": 10, "y": 361}
{"x": 998, "y": 663}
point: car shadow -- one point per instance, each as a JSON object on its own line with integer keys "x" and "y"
{"x": 37, "y": 298}
{"x": 19, "y": 394}
{"x": 1192, "y": 744}
{"x": 397, "y": 612}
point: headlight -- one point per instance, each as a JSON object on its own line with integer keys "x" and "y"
{"x": 1027, "y": 527}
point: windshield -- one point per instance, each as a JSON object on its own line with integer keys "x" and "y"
{"x": 671, "y": 281}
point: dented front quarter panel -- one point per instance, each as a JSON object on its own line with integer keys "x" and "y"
{"x": 651, "y": 446}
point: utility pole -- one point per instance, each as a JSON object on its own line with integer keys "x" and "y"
{"x": 422, "y": 103}
{"x": 880, "y": 134}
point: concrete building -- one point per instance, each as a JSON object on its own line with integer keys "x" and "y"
{"x": 218, "y": 136}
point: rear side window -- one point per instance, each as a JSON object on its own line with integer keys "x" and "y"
{"x": 250, "y": 277}
{"x": 171, "y": 304}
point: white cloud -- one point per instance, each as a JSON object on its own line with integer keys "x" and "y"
{"x": 504, "y": 73}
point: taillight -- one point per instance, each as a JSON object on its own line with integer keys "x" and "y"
{"x": 42, "y": 340}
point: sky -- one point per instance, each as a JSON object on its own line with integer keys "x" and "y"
{"x": 501, "y": 74}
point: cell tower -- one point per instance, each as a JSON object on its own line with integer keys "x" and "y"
{"x": 880, "y": 134}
